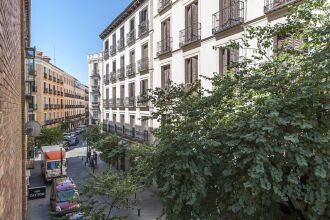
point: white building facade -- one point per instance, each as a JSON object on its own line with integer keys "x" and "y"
{"x": 95, "y": 70}
{"x": 182, "y": 41}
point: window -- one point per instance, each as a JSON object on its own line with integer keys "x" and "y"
{"x": 191, "y": 70}
{"x": 114, "y": 93}
{"x": 166, "y": 34}
{"x": 122, "y": 119}
{"x": 132, "y": 57}
{"x": 32, "y": 117}
{"x": 132, "y": 120}
{"x": 114, "y": 66}
{"x": 144, "y": 86}
{"x": 107, "y": 94}
{"x": 114, "y": 40}
{"x": 107, "y": 69}
{"x": 131, "y": 89}
{"x": 166, "y": 76}
{"x": 122, "y": 91}
{"x": 96, "y": 82}
{"x": 45, "y": 116}
{"x": 144, "y": 51}
{"x": 144, "y": 16}
{"x": 132, "y": 24}
{"x": 192, "y": 22}
{"x": 114, "y": 118}
{"x": 122, "y": 33}
{"x": 286, "y": 43}
{"x": 107, "y": 116}
{"x": 144, "y": 122}
{"x": 227, "y": 56}
{"x": 106, "y": 47}
{"x": 122, "y": 62}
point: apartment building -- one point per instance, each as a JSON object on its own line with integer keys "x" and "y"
{"x": 152, "y": 43}
{"x": 95, "y": 70}
{"x": 128, "y": 72}
{"x": 58, "y": 98}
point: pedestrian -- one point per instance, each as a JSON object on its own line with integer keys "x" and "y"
{"x": 95, "y": 158}
{"x": 92, "y": 164}
{"x": 88, "y": 155}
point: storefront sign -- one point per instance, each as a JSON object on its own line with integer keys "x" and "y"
{"x": 37, "y": 192}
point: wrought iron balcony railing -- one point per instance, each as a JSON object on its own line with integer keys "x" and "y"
{"x": 130, "y": 37}
{"x": 121, "y": 73}
{"x": 112, "y": 102}
{"x": 143, "y": 64}
{"x": 228, "y": 17}
{"x": 106, "y": 103}
{"x": 271, "y": 5}
{"x": 95, "y": 89}
{"x": 130, "y": 101}
{"x": 106, "y": 54}
{"x": 130, "y": 70}
{"x": 95, "y": 73}
{"x": 164, "y": 46}
{"x": 120, "y": 102}
{"x": 106, "y": 79}
{"x": 163, "y": 4}
{"x": 143, "y": 28}
{"x": 141, "y": 101}
{"x": 190, "y": 34}
{"x": 113, "y": 77}
{"x": 113, "y": 49}
{"x": 121, "y": 44}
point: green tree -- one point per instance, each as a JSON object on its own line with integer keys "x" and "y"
{"x": 108, "y": 146}
{"x": 257, "y": 145}
{"x": 49, "y": 136}
{"x": 92, "y": 134}
{"x": 108, "y": 191}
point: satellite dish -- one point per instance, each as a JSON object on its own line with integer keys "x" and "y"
{"x": 33, "y": 128}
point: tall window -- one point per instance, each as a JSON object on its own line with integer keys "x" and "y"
{"x": 132, "y": 24}
{"x": 122, "y": 91}
{"x": 114, "y": 93}
{"x": 132, "y": 120}
{"x": 107, "y": 94}
{"x": 166, "y": 35}
{"x": 107, "y": 69}
{"x": 166, "y": 76}
{"x": 114, "y": 40}
{"x": 132, "y": 57}
{"x": 95, "y": 68}
{"x": 114, "y": 117}
{"x": 192, "y": 22}
{"x": 229, "y": 12}
{"x": 122, "y": 119}
{"x": 145, "y": 51}
{"x": 131, "y": 89}
{"x": 144, "y": 16}
{"x": 191, "y": 70}
{"x": 122, "y": 33}
{"x": 227, "y": 57}
{"x": 106, "y": 46}
{"x": 114, "y": 66}
{"x": 144, "y": 86}
{"x": 122, "y": 62}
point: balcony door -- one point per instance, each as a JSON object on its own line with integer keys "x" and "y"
{"x": 114, "y": 95}
{"x": 131, "y": 90}
{"x": 122, "y": 91}
{"x": 145, "y": 51}
{"x": 166, "y": 76}
{"x": 132, "y": 57}
{"x": 122, "y": 63}
{"x": 229, "y": 12}
{"x": 166, "y": 34}
{"x": 107, "y": 94}
{"x": 191, "y": 32}
{"x": 144, "y": 86}
{"x": 191, "y": 70}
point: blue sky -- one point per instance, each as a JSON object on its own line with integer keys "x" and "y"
{"x": 72, "y": 27}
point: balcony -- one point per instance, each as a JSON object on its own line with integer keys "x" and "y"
{"x": 50, "y": 91}
{"x": 45, "y": 90}
{"x": 106, "y": 79}
{"x": 130, "y": 102}
{"x": 113, "y": 50}
{"x": 58, "y": 80}
{"x": 95, "y": 105}
{"x": 120, "y": 102}
{"x": 54, "y": 92}
{"x": 121, "y": 73}
{"x": 142, "y": 134}
{"x": 130, "y": 37}
{"x": 163, "y": 4}
{"x": 121, "y": 44}
{"x": 143, "y": 64}
{"x": 272, "y": 5}
{"x": 95, "y": 89}
{"x": 106, "y": 103}
{"x": 112, "y": 103}
{"x": 190, "y": 34}
{"x": 228, "y": 17}
{"x": 164, "y": 46}
{"x": 143, "y": 28}
{"x": 130, "y": 70}
{"x": 32, "y": 107}
{"x": 113, "y": 77}
{"x": 50, "y": 77}
{"x": 106, "y": 54}
{"x": 95, "y": 73}
{"x": 45, "y": 75}
{"x": 129, "y": 132}
{"x": 142, "y": 102}
{"x": 54, "y": 79}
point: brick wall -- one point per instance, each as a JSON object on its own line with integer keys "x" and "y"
{"x": 11, "y": 112}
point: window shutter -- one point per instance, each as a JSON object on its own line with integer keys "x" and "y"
{"x": 188, "y": 71}
{"x": 194, "y": 21}
{"x": 194, "y": 68}
{"x": 163, "y": 78}
{"x": 224, "y": 61}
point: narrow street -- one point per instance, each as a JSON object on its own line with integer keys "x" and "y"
{"x": 39, "y": 209}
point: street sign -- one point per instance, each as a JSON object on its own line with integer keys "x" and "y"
{"x": 37, "y": 192}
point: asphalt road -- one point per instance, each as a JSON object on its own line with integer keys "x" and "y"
{"x": 39, "y": 209}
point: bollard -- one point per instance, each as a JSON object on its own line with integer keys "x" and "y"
{"x": 139, "y": 212}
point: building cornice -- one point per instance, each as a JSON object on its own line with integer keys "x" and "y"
{"x": 121, "y": 17}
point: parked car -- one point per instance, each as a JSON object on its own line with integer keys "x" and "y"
{"x": 66, "y": 144}
{"x": 73, "y": 141}
{"x": 64, "y": 196}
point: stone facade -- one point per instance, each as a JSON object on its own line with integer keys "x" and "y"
{"x": 12, "y": 141}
